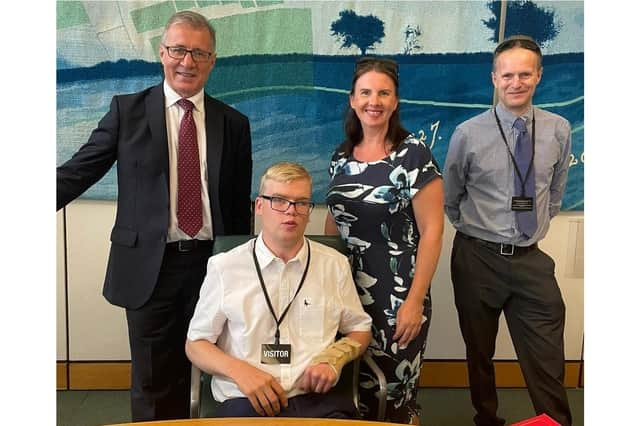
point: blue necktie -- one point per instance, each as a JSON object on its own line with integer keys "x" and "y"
{"x": 526, "y": 220}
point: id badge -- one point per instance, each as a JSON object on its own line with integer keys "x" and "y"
{"x": 275, "y": 354}
{"x": 522, "y": 204}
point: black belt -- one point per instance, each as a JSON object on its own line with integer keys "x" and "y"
{"x": 185, "y": 246}
{"x": 500, "y": 248}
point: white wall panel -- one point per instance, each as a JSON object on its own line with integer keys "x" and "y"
{"x": 444, "y": 340}
{"x": 61, "y": 316}
{"x": 556, "y": 244}
{"x": 565, "y": 238}
{"x": 97, "y": 329}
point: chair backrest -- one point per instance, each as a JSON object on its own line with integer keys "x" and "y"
{"x": 224, "y": 243}
{"x": 348, "y": 383}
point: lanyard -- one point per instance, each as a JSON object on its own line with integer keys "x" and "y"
{"x": 266, "y": 295}
{"x": 513, "y": 159}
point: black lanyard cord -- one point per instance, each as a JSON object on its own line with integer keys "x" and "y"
{"x": 266, "y": 295}
{"x": 533, "y": 148}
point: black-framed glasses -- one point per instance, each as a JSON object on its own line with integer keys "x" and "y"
{"x": 177, "y": 52}
{"x": 385, "y": 63}
{"x": 281, "y": 205}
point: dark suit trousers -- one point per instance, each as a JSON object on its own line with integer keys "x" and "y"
{"x": 330, "y": 405}
{"x": 524, "y": 287}
{"x": 160, "y": 370}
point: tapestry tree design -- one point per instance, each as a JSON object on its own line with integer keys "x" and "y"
{"x": 355, "y": 30}
{"x": 526, "y": 18}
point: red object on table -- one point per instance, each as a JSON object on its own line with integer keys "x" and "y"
{"x": 541, "y": 420}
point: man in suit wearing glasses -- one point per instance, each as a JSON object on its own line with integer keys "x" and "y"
{"x": 184, "y": 176}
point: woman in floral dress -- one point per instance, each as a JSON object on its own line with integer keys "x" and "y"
{"x": 386, "y": 201}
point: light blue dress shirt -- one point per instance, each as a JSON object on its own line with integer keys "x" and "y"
{"x": 479, "y": 174}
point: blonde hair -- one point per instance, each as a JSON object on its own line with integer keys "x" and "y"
{"x": 285, "y": 172}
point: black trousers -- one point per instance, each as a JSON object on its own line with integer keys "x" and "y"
{"x": 160, "y": 370}
{"x": 329, "y": 405}
{"x": 523, "y": 286}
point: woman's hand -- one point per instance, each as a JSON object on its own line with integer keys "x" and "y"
{"x": 408, "y": 322}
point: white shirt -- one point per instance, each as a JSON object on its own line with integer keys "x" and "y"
{"x": 174, "y": 115}
{"x": 233, "y": 314}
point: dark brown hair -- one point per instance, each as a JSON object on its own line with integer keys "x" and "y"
{"x": 352, "y": 126}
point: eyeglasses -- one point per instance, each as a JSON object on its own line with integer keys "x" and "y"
{"x": 197, "y": 55}
{"x": 281, "y": 205}
{"x": 384, "y": 63}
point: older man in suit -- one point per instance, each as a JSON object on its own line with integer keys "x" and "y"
{"x": 184, "y": 176}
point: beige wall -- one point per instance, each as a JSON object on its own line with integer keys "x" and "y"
{"x": 61, "y": 316}
{"x": 97, "y": 331}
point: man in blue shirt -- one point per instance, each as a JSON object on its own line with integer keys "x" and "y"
{"x": 504, "y": 177}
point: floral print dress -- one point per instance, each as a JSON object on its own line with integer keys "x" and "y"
{"x": 371, "y": 205}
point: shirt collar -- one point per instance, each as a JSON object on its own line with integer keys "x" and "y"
{"x": 171, "y": 97}
{"x": 508, "y": 118}
{"x": 266, "y": 256}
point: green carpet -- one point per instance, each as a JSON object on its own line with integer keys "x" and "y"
{"x": 440, "y": 407}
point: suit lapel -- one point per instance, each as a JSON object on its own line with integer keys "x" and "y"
{"x": 214, "y": 122}
{"x": 156, "y": 111}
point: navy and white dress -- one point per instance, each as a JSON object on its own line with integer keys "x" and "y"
{"x": 371, "y": 205}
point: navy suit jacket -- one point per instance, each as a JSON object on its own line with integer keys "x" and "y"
{"x": 134, "y": 133}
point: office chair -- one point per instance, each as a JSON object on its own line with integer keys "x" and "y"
{"x": 349, "y": 378}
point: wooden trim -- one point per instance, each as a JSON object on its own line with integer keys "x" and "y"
{"x": 453, "y": 374}
{"x": 435, "y": 374}
{"x": 61, "y": 376}
{"x": 572, "y": 374}
{"x": 263, "y": 421}
{"x": 99, "y": 375}
{"x": 444, "y": 374}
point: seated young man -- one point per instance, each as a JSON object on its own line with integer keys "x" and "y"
{"x": 269, "y": 311}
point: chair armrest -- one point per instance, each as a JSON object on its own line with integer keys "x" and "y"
{"x": 382, "y": 380}
{"x": 355, "y": 376}
{"x": 194, "y": 398}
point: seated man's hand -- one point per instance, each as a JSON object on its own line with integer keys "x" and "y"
{"x": 264, "y": 392}
{"x": 318, "y": 378}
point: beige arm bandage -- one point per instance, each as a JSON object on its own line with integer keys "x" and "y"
{"x": 338, "y": 354}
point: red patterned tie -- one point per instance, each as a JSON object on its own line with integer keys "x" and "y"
{"x": 189, "y": 198}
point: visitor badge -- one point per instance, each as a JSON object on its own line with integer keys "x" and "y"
{"x": 275, "y": 353}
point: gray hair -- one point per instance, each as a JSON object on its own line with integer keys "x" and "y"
{"x": 192, "y": 19}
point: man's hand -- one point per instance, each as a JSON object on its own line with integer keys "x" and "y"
{"x": 264, "y": 392}
{"x": 317, "y": 378}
